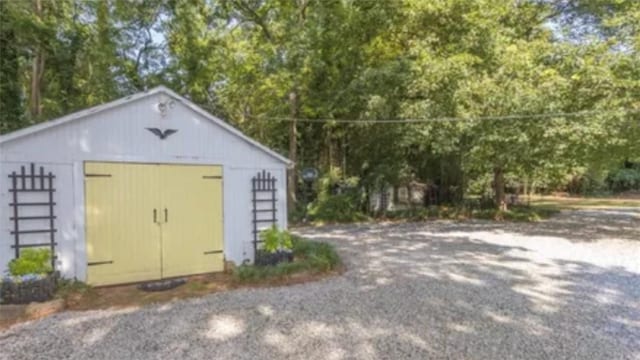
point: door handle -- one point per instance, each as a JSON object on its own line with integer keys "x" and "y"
{"x": 166, "y": 215}
{"x": 155, "y": 216}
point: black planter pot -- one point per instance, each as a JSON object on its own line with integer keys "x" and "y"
{"x": 161, "y": 285}
{"x": 264, "y": 258}
{"x": 14, "y": 291}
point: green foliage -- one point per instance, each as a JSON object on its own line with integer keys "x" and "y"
{"x": 299, "y": 213}
{"x": 309, "y": 256}
{"x": 357, "y": 60}
{"x": 31, "y": 261}
{"x": 337, "y": 208}
{"x": 588, "y": 182}
{"x": 92, "y": 51}
{"x": 319, "y": 256}
{"x": 343, "y": 207}
{"x": 625, "y": 179}
{"x": 275, "y": 239}
{"x": 606, "y": 182}
{"x": 68, "y": 287}
{"x": 11, "y": 112}
{"x": 515, "y": 213}
{"x": 249, "y": 273}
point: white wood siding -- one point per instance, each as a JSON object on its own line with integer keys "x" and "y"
{"x": 119, "y": 134}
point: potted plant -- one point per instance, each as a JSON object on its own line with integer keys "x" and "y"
{"x": 31, "y": 278}
{"x": 276, "y": 247}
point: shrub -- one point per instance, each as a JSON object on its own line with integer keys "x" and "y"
{"x": 624, "y": 179}
{"x": 312, "y": 256}
{"x": 338, "y": 199}
{"x": 320, "y": 256}
{"x": 337, "y": 208}
{"x": 31, "y": 261}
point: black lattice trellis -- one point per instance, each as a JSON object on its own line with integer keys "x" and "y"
{"x": 40, "y": 183}
{"x": 264, "y": 202}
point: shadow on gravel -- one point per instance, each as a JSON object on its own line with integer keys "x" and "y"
{"x": 411, "y": 291}
{"x": 472, "y": 299}
{"x": 576, "y": 225}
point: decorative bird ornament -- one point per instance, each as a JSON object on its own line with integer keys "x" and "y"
{"x": 162, "y": 134}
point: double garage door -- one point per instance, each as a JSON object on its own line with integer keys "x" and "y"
{"x": 152, "y": 221}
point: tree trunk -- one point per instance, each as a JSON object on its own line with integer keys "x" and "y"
{"x": 532, "y": 189}
{"x": 463, "y": 180}
{"x": 441, "y": 189}
{"x": 329, "y": 150}
{"x": 498, "y": 183}
{"x": 37, "y": 70}
{"x": 525, "y": 190}
{"x": 344, "y": 158}
{"x": 384, "y": 200}
{"x": 293, "y": 151}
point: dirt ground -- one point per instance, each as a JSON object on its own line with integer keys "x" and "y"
{"x": 128, "y": 296}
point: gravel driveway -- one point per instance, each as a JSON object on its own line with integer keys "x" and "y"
{"x": 568, "y": 288}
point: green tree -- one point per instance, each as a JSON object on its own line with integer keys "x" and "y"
{"x": 11, "y": 98}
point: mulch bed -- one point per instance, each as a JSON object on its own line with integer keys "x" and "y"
{"x": 120, "y": 296}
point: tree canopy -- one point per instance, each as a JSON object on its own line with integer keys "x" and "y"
{"x": 474, "y": 94}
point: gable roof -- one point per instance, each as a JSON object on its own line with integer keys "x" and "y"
{"x": 131, "y": 98}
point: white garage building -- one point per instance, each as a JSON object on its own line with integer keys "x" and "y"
{"x": 143, "y": 188}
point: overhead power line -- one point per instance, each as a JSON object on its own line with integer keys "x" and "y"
{"x": 445, "y": 119}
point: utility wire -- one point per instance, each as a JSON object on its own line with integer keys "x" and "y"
{"x": 445, "y": 119}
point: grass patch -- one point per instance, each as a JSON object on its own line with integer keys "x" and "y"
{"x": 309, "y": 257}
{"x": 515, "y": 213}
{"x": 575, "y": 203}
{"x": 519, "y": 213}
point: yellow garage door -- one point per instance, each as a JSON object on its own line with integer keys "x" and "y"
{"x": 122, "y": 237}
{"x": 149, "y": 221}
{"x": 192, "y": 220}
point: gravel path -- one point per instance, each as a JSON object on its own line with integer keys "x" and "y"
{"x": 568, "y": 288}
